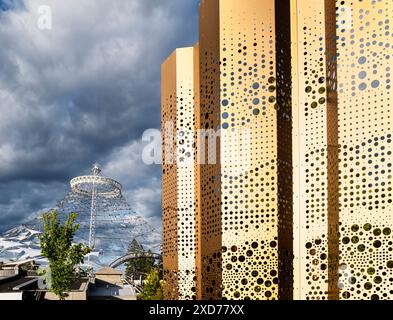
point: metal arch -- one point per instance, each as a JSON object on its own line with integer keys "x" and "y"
{"x": 132, "y": 256}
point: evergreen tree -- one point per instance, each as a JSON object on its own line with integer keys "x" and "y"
{"x": 135, "y": 247}
{"x": 139, "y": 266}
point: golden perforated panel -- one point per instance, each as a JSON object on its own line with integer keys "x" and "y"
{"x": 313, "y": 129}
{"x": 209, "y": 263}
{"x": 249, "y": 192}
{"x": 239, "y": 205}
{"x": 178, "y": 177}
{"x": 342, "y": 157}
{"x": 301, "y": 92}
{"x": 365, "y": 110}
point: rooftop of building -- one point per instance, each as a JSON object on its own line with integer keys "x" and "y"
{"x": 108, "y": 271}
{"x": 17, "y": 283}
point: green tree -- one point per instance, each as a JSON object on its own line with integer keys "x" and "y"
{"x": 152, "y": 290}
{"x": 139, "y": 266}
{"x": 62, "y": 254}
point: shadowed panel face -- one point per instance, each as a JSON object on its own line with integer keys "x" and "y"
{"x": 169, "y": 178}
{"x": 208, "y": 118}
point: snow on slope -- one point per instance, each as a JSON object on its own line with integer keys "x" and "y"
{"x": 21, "y": 243}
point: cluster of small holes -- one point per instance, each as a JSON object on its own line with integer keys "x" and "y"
{"x": 366, "y": 269}
{"x": 186, "y": 280}
{"x": 253, "y": 271}
{"x": 316, "y": 265}
{"x": 249, "y": 200}
{"x": 368, "y": 167}
{"x": 211, "y": 270}
{"x": 170, "y": 285}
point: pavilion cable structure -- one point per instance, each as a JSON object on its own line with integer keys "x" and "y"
{"x": 107, "y": 223}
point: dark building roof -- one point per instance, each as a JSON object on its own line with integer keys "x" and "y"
{"x": 8, "y": 284}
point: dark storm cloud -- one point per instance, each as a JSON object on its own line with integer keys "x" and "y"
{"x": 19, "y": 200}
{"x": 82, "y": 92}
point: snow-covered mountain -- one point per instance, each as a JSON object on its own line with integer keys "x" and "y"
{"x": 112, "y": 239}
{"x": 20, "y": 243}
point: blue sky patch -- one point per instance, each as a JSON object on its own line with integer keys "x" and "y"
{"x": 6, "y": 5}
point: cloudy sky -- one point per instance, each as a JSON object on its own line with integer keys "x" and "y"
{"x": 82, "y": 92}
